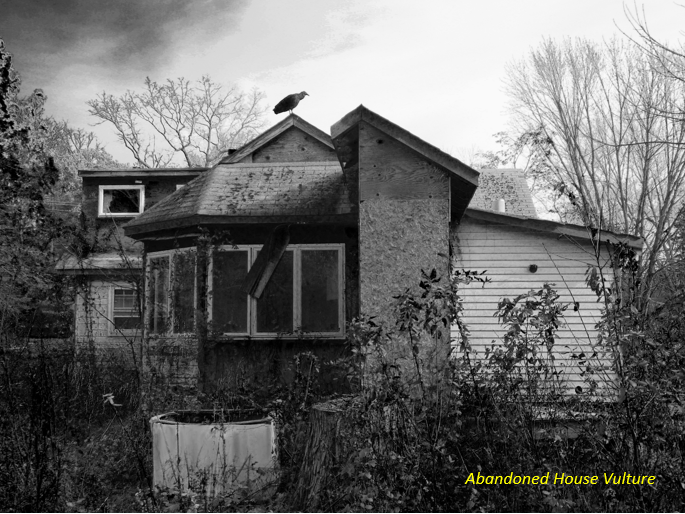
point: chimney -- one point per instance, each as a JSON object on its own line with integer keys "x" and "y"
{"x": 498, "y": 205}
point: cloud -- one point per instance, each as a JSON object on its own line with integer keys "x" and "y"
{"x": 133, "y": 34}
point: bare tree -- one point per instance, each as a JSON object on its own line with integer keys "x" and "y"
{"x": 597, "y": 118}
{"x": 197, "y": 121}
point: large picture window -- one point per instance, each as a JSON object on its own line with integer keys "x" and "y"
{"x": 303, "y": 295}
{"x": 171, "y": 292}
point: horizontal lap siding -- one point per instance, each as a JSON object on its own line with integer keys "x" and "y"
{"x": 505, "y": 254}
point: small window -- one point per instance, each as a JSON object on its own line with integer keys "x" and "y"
{"x": 121, "y": 200}
{"x": 125, "y": 311}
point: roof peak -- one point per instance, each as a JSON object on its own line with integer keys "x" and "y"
{"x": 292, "y": 120}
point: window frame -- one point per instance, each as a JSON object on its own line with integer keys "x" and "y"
{"x": 101, "y": 200}
{"x": 297, "y": 332}
{"x": 113, "y": 331}
{"x": 169, "y": 254}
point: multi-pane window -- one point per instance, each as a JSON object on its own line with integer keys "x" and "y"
{"x": 121, "y": 200}
{"x": 125, "y": 311}
{"x": 304, "y": 293}
{"x": 171, "y": 292}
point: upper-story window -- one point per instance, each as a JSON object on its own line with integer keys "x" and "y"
{"x": 121, "y": 201}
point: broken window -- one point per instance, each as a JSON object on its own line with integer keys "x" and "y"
{"x": 121, "y": 200}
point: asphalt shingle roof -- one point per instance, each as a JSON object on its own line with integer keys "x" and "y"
{"x": 297, "y": 189}
{"x": 508, "y": 184}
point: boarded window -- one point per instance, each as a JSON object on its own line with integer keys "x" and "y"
{"x": 320, "y": 291}
{"x": 229, "y": 303}
{"x": 125, "y": 309}
{"x": 275, "y": 307}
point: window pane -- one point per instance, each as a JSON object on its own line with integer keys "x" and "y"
{"x": 126, "y": 323}
{"x": 126, "y": 313}
{"x": 275, "y": 307}
{"x": 116, "y": 201}
{"x": 229, "y": 303}
{"x": 183, "y": 286}
{"x": 158, "y": 294}
{"x": 320, "y": 291}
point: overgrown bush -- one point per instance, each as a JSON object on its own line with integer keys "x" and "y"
{"x": 417, "y": 430}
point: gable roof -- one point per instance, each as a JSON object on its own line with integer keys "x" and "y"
{"x": 293, "y": 120}
{"x": 507, "y": 184}
{"x": 463, "y": 178}
{"x": 312, "y": 192}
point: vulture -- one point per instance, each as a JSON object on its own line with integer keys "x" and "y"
{"x": 289, "y": 102}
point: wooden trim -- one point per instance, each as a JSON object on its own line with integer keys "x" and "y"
{"x": 565, "y": 229}
{"x": 200, "y": 219}
{"x": 116, "y": 187}
{"x": 252, "y": 250}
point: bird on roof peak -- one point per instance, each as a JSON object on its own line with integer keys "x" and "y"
{"x": 289, "y": 102}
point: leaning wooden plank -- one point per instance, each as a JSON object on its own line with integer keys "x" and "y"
{"x": 267, "y": 260}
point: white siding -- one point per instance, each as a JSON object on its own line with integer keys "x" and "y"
{"x": 505, "y": 253}
{"x": 94, "y": 323}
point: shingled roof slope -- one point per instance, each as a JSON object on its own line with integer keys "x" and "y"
{"x": 252, "y": 193}
{"x": 508, "y": 184}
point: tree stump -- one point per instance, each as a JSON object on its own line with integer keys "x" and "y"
{"x": 323, "y": 451}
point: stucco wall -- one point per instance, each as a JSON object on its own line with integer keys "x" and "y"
{"x": 404, "y": 215}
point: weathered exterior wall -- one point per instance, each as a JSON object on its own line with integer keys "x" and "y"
{"x": 109, "y": 230}
{"x": 170, "y": 373}
{"x": 293, "y": 146}
{"x": 505, "y": 253}
{"x": 403, "y": 220}
{"x": 178, "y": 369}
{"x": 93, "y": 325}
{"x": 404, "y": 214}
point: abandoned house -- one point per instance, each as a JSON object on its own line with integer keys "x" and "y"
{"x": 271, "y": 251}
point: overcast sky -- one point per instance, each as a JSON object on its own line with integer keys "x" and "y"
{"x": 435, "y": 68}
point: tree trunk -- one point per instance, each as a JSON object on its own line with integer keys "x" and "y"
{"x": 322, "y": 452}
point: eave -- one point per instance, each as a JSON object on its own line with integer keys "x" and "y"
{"x": 140, "y": 173}
{"x": 206, "y": 220}
{"x": 553, "y": 227}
